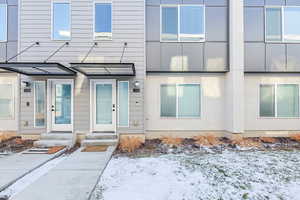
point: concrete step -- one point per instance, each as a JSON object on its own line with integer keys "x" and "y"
{"x": 57, "y": 136}
{"x": 101, "y": 136}
{"x": 109, "y": 142}
{"x": 52, "y": 143}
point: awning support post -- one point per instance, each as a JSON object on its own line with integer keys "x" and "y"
{"x": 57, "y": 50}
{"x": 88, "y": 53}
{"x": 36, "y": 43}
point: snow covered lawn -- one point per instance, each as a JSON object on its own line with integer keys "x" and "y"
{"x": 228, "y": 175}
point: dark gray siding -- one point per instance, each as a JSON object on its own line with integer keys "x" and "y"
{"x": 10, "y": 48}
{"x": 211, "y": 55}
{"x": 262, "y": 56}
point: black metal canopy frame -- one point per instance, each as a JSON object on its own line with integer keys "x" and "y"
{"x": 105, "y": 69}
{"x": 38, "y": 68}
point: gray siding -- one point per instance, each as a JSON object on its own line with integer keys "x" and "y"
{"x": 128, "y": 26}
{"x": 262, "y": 56}
{"x": 10, "y": 48}
{"x": 211, "y": 55}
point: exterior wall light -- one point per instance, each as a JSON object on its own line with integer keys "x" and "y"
{"x": 136, "y": 86}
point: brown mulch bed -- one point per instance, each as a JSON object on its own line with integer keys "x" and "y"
{"x": 156, "y": 146}
{"x": 15, "y": 145}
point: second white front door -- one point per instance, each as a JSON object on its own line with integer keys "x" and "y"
{"x": 62, "y": 105}
{"x": 104, "y": 105}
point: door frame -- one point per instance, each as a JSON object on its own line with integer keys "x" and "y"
{"x": 49, "y": 104}
{"x": 93, "y": 83}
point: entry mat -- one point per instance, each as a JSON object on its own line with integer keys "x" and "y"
{"x": 99, "y": 148}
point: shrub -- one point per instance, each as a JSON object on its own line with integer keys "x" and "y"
{"x": 295, "y": 137}
{"x": 268, "y": 140}
{"x": 129, "y": 144}
{"x": 172, "y": 141}
{"x": 209, "y": 140}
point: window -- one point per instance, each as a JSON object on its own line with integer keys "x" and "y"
{"x": 182, "y": 23}
{"x": 61, "y": 22}
{"x": 123, "y": 103}
{"x": 280, "y": 100}
{"x": 3, "y": 22}
{"x": 103, "y": 21}
{"x": 282, "y": 24}
{"x": 39, "y": 107}
{"x": 180, "y": 100}
{"x": 6, "y": 101}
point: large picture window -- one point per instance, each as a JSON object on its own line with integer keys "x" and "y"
{"x": 279, "y": 100}
{"x": 180, "y": 100}
{"x": 103, "y": 21}
{"x": 282, "y": 24}
{"x": 40, "y": 104}
{"x": 3, "y": 22}
{"x": 183, "y": 23}
{"x": 6, "y": 101}
{"x": 61, "y": 21}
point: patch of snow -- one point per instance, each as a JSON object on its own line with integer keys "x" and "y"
{"x": 255, "y": 175}
{"x": 28, "y": 179}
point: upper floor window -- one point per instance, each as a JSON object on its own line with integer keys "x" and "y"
{"x": 283, "y": 24}
{"x": 279, "y": 100}
{"x": 103, "y": 21}
{"x": 61, "y": 22}
{"x": 3, "y": 22}
{"x": 184, "y": 23}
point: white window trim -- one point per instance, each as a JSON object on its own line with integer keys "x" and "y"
{"x": 177, "y": 116}
{"x": 34, "y": 104}
{"x": 178, "y": 21}
{"x": 6, "y": 22}
{"x": 282, "y": 24}
{"x": 52, "y": 18}
{"x": 94, "y": 20}
{"x": 119, "y": 104}
{"x": 275, "y": 101}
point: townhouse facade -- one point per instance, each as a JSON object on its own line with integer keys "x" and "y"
{"x": 150, "y": 67}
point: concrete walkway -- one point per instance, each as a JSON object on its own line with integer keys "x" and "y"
{"x": 72, "y": 179}
{"x": 16, "y": 166}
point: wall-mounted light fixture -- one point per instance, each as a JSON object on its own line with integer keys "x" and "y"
{"x": 26, "y": 84}
{"x": 136, "y": 86}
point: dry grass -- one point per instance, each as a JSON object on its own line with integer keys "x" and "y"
{"x": 6, "y": 136}
{"x": 130, "y": 144}
{"x": 295, "y": 137}
{"x": 172, "y": 141}
{"x": 95, "y": 149}
{"x": 209, "y": 140}
{"x": 245, "y": 142}
{"x": 56, "y": 149}
{"x": 269, "y": 140}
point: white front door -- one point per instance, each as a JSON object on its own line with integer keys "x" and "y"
{"x": 104, "y": 105}
{"x": 61, "y": 105}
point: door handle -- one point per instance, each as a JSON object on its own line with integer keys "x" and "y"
{"x": 52, "y": 108}
{"x": 113, "y": 107}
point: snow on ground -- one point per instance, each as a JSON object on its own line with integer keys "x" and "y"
{"x": 255, "y": 175}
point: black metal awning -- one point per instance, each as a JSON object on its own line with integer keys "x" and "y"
{"x": 38, "y": 68}
{"x": 105, "y": 69}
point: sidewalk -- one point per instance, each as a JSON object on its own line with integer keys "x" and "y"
{"x": 72, "y": 179}
{"x": 16, "y": 166}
